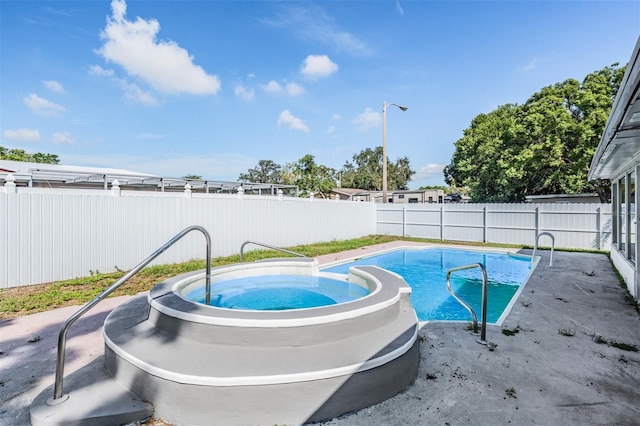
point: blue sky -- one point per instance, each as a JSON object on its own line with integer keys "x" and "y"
{"x": 212, "y": 87}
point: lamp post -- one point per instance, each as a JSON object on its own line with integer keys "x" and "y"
{"x": 384, "y": 147}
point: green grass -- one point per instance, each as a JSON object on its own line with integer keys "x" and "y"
{"x": 611, "y": 342}
{"x": 27, "y": 300}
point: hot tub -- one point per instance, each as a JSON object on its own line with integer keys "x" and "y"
{"x": 201, "y": 364}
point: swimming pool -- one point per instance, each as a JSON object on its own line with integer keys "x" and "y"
{"x": 425, "y": 270}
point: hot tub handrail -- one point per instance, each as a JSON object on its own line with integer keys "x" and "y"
{"x": 267, "y": 246}
{"x": 483, "y": 330}
{"x": 62, "y": 337}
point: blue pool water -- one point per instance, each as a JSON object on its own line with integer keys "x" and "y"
{"x": 425, "y": 270}
{"x": 278, "y": 292}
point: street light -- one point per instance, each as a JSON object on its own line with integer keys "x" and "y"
{"x": 384, "y": 147}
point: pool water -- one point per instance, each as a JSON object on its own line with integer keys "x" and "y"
{"x": 425, "y": 270}
{"x": 278, "y": 292}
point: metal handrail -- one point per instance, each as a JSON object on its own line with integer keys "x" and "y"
{"x": 483, "y": 330}
{"x": 58, "y": 397}
{"x": 535, "y": 246}
{"x": 267, "y": 246}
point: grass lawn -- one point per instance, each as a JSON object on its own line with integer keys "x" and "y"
{"x": 25, "y": 300}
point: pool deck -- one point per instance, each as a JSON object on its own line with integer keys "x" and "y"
{"x": 550, "y": 371}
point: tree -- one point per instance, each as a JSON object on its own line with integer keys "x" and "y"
{"x": 311, "y": 177}
{"x": 544, "y": 146}
{"x": 192, "y": 177}
{"x": 265, "y": 172}
{"x": 366, "y": 171}
{"x": 21, "y": 155}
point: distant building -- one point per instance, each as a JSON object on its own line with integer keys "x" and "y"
{"x": 353, "y": 194}
{"x": 397, "y": 197}
{"x": 418, "y": 196}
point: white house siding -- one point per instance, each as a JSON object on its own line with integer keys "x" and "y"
{"x": 626, "y": 270}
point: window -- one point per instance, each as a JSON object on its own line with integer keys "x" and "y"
{"x": 614, "y": 213}
{"x": 401, "y": 196}
{"x": 431, "y": 199}
{"x": 631, "y": 216}
{"x": 413, "y": 200}
{"x": 622, "y": 216}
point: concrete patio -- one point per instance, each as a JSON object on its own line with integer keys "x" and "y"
{"x": 550, "y": 370}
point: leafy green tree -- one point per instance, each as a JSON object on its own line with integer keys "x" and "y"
{"x": 192, "y": 177}
{"x": 544, "y": 146}
{"x": 21, "y": 155}
{"x": 265, "y": 172}
{"x": 366, "y": 171}
{"x": 311, "y": 177}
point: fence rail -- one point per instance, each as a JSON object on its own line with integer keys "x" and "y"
{"x": 583, "y": 226}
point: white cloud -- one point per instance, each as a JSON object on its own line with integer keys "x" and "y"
{"x": 367, "y": 119}
{"x": 53, "y": 85}
{"x": 244, "y": 93}
{"x": 272, "y": 87}
{"x": 331, "y": 129}
{"x": 530, "y": 66}
{"x": 318, "y": 66}
{"x": 336, "y": 117}
{"x": 164, "y": 65}
{"x": 399, "y": 8}
{"x": 291, "y": 89}
{"x": 22, "y": 135}
{"x": 309, "y": 21}
{"x": 42, "y": 106}
{"x": 134, "y": 93}
{"x": 429, "y": 170}
{"x": 99, "y": 71}
{"x": 287, "y": 119}
{"x": 63, "y": 138}
{"x": 294, "y": 89}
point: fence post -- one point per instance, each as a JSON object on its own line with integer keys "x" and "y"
{"x": 442, "y": 222}
{"x": 10, "y": 184}
{"x": 404, "y": 221}
{"x": 598, "y": 228}
{"x": 484, "y": 224}
{"x": 115, "y": 188}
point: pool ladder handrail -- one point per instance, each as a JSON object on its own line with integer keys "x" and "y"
{"x": 483, "y": 331}
{"x": 58, "y": 397}
{"x": 267, "y": 246}
{"x": 535, "y": 246}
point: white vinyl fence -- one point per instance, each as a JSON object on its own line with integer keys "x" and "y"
{"x": 53, "y": 234}
{"x": 583, "y": 226}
